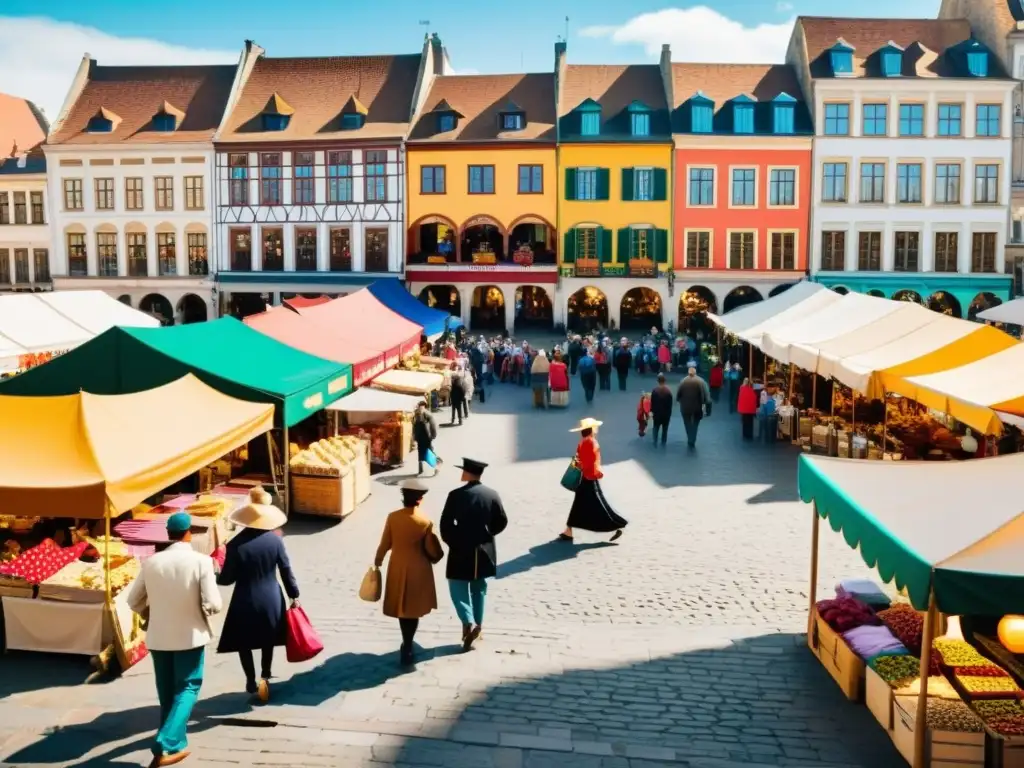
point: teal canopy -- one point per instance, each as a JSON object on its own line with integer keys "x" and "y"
{"x": 953, "y": 527}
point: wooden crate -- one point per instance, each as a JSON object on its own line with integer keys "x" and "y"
{"x": 324, "y": 496}
{"x": 845, "y": 666}
{"x": 878, "y": 696}
{"x": 946, "y": 749}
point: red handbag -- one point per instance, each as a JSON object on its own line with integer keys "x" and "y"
{"x": 302, "y": 642}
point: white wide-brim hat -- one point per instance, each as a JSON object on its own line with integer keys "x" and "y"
{"x": 259, "y": 513}
{"x": 587, "y": 423}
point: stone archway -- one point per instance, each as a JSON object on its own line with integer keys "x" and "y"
{"x": 125, "y": 299}
{"x": 946, "y": 303}
{"x": 587, "y": 310}
{"x": 534, "y": 309}
{"x": 907, "y": 295}
{"x": 640, "y": 310}
{"x": 694, "y": 305}
{"x": 482, "y": 241}
{"x": 842, "y": 290}
{"x": 445, "y": 298}
{"x": 433, "y": 239}
{"x": 487, "y": 309}
{"x": 876, "y": 293}
{"x": 192, "y": 309}
{"x": 159, "y": 307}
{"x": 243, "y": 304}
{"x": 981, "y": 302}
{"x": 740, "y": 297}
{"x": 531, "y": 240}
{"x": 780, "y": 289}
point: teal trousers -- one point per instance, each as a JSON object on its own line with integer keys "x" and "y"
{"x": 179, "y": 675}
{"x": 469, "y": 598}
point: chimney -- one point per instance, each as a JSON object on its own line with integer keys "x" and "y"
{"x": 665, "y": 64}
{"x": 560, "y": 48}
{"x": 438, "y": 54}
{"x": 14, "y": 149}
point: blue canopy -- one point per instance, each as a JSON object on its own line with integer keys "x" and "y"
{"x": 393, "y": 295}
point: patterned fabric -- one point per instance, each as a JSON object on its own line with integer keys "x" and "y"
{"x": 41, "y": 562}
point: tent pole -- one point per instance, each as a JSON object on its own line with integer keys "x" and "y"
{"x": 718, "y": 328}
{"x": 106, "y": 555}
{"x": 853, "y": 420}
{"x": 921, "y": 719}
{"x": 814, "y": 390}
{"x": 885, "y": 421}
{"x": 286, "y": 471}
{"x": 813, "y": 589}
{"x": 750, "y": 365}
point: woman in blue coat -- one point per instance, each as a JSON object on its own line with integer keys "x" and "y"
{"x": 256, "y": 615}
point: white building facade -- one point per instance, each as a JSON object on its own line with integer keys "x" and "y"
{"x": 24, "y": 219}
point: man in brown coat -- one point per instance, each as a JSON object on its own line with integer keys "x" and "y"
{"x": 661, "y": 408}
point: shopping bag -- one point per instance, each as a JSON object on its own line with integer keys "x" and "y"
{"x": 302, "y": 642}
{"x": 572, "y": 477}
{"x": 369, "y": 590}
{"x": 430, "y": 458}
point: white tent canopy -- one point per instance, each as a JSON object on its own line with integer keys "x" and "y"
{"x": 369, "y": 400}
{"x": 748, "y": 316}
{"x": 816, "y": 302}
{"x": 1011, "y": 312}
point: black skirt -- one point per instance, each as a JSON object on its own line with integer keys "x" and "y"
{"x": 591, "y": 511}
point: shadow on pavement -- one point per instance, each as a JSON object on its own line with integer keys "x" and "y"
{"x": 45, "y": 672}
{"x": 549, "y": 553}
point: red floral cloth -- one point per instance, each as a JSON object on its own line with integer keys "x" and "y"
{"x": 38, "y": 564}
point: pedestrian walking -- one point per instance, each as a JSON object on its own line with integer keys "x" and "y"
{"x": 746, "y": 404}
{"x": 661, "y": 409}
{"x": 664, "y": 357}
{"x": 409, "y": 590}
{"x": 558, "y": 379}
{"x": 694, "y": 398}
{"x": 715, "y": 380}
{"x": 643, "y": 414}
{"x": 575, "y": 351}
{"x": 472, "y": 517}
{"x": 590, "y": 510}
{"x": 457, "y": 395}
{"x": 603, "y": 364}
{"x": 735, "y": 376}
{"x": 256, "y": 615}
{"x": 539, "y": 379}
{"x": 588, "y": 370}
{"x": 424, "y": 432}
{"x": 177, "y": 591}
{"x": 622, "y": 361}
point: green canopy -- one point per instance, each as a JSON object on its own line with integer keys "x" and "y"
{"x": 953, "y": 527}
{"x": 225, "y": 353}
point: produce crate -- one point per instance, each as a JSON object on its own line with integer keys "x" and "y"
{"x": 845, "y": 666}
{"x": 878, "y": 696}
{"x": 947, "y": 749}
{"x": 323, "y": 495}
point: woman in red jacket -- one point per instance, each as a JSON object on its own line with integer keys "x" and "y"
{"x": 590, "y": 510}
{"x": 747, "y": 406}
{"x": 715, "y": 381}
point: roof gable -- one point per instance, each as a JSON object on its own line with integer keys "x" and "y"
{"x": 23, "y": 125}
{"x": 615, "y": 88}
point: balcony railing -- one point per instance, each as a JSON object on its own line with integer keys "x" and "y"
{"x": 482, "y": 259}
{"x": 641, "y": 268}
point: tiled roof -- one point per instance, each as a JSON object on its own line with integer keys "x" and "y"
{"x": 318, "y": 90}
{"x": 33, "y": 161}
{"x": 22, "y": 124}
{"x": 927, "y": 43}
{"x": 136, "y": 94}
{"x": 614, "y": 87}
{"x": 481, "y": 99}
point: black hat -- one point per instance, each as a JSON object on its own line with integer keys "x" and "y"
{"x": 472, "y": 466}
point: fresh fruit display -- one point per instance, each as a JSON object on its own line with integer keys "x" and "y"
{"x": 906, "y": 623}
{"x": 998, "y": 708}
{"x": 1007, "y": 726}
{"x": 938, "y": 686}
{"x": 122, "y": 574}
{"x": 327, "y": 457}
{"x": 988, "y": 687}
{"x": 989, "y": 670}
{"x": 948, "y": 715}
{"x": 846, "y": 613}
{"x": 959, "y": 653}
{"x": 896, "y": 669}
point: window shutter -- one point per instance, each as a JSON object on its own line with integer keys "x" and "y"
{"x": 627, "y": 184}
{"x": 604, "y": 244}
{"x": 569, "y": 248}
{"x": 625, "y": 251}
{"x": 570, "y": 183}
{"x": 661, "y": 246}
{"x": 602, "y": 184}
{"x": 660, "y": 184}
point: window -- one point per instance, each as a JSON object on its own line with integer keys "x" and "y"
{"x": 743, "y": 118}
{"x": 275, "y": 122}
{"x": 640, "y": 244}
{"x": 531, "y": 179}
{"x": 876, "y": 120}
{"x": 99, "y": 124}
{"x": 21, "y": 273}
{"x": 166, "y": 254}
{"x": 273, "y": 249}
{"x": 241, "y": 250}
{"x": 643, "y": 184}
{"x": 783, "y": 118}
{"x": 947, "y": 183}
{"x": 586, "y": 243}
{"x": 133, "y": 195}
{"x": 106, "y": 253}
{"x": 78, "y": 261}
{"x": 702, "y": 118}
{"x": 983, "y": 252}
{"x": 640, "y": 123}
{"x": 376, "y": 170}
{"x": 741, "y": 250}
{"x": 104, "y": 194}
{"x": 41, "y": 264}
{"x": 339, "y": 177}
{"x": 590, "y": 123}
{"x": 303, "y": 193}
{"x": 698, "y": 250}
{"x": 239, "y": 191}
{"x": 432, "y": 180}
{"x": 986, "y": 184}
{"x": 5, "y": 210}
{"x": 194, "y": 193}
{"x": 833, "y": 251}
{"x": 270, "y": 178}
{"x": 5, "y": 266}
{"x": 911, "y": 120}
{"x": 784, "y": 250}
{"x": 198, "y": 263}
{"x": 164, "y": 193}
{"x": 305, "y": 250}
{"x": 37, "y": 208}
{"x": 908, "y": 183}
{"x": 138, "y": 258}
{"x": 947, "y": 244}
{"x": 702, "y": 186}
{"x": 352, "y": 122}
{"x": 834, "y": 190}
{"x": 869, "y": 253}
{"x": 907, "y": 246}
{"x": 512, "y": 121}
{"x": 586, "y": 184}
{"x": 743, "y": 186}
{"x": 376, "y": 250}
{"x": 481, "y": 179}
{"x": 872, "y": 182}
{"x": 782, "y": 187}
{"x": 20, "y": 208}
{"x": 841, "y": 58}
{"x": 341, "y": 250}
{"x": 837, "y": 119}
{"x": 977, "y": 63}
{"x": 72, "y": 194}
{"x": 164, "y": 122}
{"x": 950, "y": 120}
{"x": 892, "y": 63}
{"x": 989, "y": 120}
{"x": 445, "y": 122}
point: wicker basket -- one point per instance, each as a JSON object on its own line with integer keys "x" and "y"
{"x": 324, "y": 496}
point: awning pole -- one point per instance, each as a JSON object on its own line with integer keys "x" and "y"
{"x": 885, "y": 422}
{"x": 286, "y": 471}
{"x": 814, "y": 391}
{"x": 853, "y": 421}
{"x": 921, "y": 719}
{"x": 106, "y": 554}
{"x": 750, "y": 365}
{"x": 813, "y": 589}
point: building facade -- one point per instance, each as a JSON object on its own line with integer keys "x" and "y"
{"x": 130, "y": 166}
{"x": 482, "y": 200}
{"x": 912, "y": 160}
{"x": 742, "y": 137}
{"x": 310, "y": 170}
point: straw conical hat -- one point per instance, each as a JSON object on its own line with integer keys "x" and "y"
{"x": 259, "y": 513}
{"x": 587, "y": 423}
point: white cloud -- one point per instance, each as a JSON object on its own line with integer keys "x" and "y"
{"x": 700, "y": 34}
{"x": 39, "y": 56}
{"x": 783, "y": 7}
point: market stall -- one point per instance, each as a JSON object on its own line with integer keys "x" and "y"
{"x": 392, "y": 294}
{"x": 87, "y": 458}
{"x": 951, "y": 555}
{"x": 418, "y": 383}
{"x": 383, "y": 417}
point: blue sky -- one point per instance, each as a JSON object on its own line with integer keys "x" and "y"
{"x": 38, "y": 55}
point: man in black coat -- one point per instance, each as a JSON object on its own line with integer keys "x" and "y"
{"x": 661, "y": 408}
{"x": 694, "y": 398}
{"x": 622, "y": 362}
{"x": 457, "y": 395}
{"x": 472, "y": 517}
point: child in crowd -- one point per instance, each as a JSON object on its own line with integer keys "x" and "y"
{"x": 643, "y": 413}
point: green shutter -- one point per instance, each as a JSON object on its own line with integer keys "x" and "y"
{"x": 627, "y": 184}
{"x": 661, "y": 246}
{"x": 604, "y": 244}
{"x": 602, "y": 184}
{"x": 570, "y": 183}
{"x": 569, "y": 248}
{"x": 660, "y": 184}
{"x": 625, "y": 250}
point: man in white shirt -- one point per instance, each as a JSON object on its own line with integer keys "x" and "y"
{"x": 177, "y": 589}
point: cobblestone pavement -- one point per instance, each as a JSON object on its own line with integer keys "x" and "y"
{"x": 681, "y": 644}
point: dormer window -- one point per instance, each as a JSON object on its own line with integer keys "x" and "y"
{"x": 743, "y": 115}
{"x": 590, "y": 118}
{"x": 275, "y": 122}
{"x": 977, "y": 63}
{"x": 165, "y": 123}
{"x": 276, "y": 114}
{"x": 353, "y": 122}
{"x": 891, "y": 58}
{"x": 353, "y": 114}
{"x": 639, "y": 119}
{"x": 446, "y": 122}
{"x": 784, "y": 114}
{"x": 103, "y": 121}
{"x": 513, "y": 121}
{"x": 702, "y": 114}
{"x": 447, "y": 116}
{"x": 841, "y": 58}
